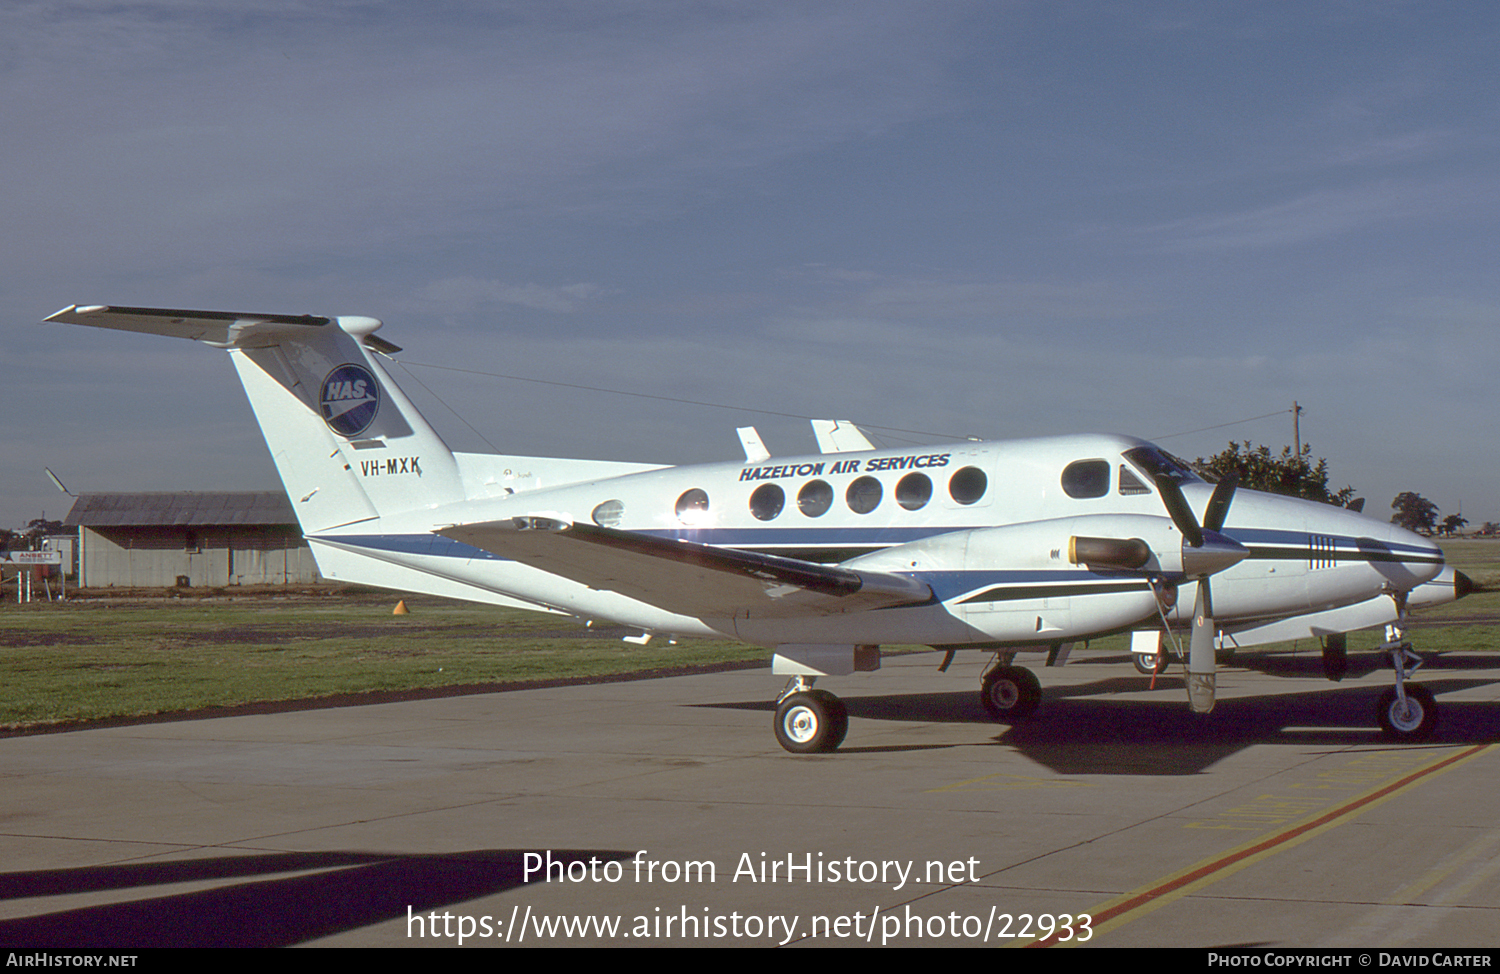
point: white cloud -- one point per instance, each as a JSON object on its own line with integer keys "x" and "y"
{"x": 1319, "y": 214}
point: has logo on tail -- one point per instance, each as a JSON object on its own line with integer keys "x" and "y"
{"x": 350, "y": 399}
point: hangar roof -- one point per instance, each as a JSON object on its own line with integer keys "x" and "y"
{"x": 181, "y": 508}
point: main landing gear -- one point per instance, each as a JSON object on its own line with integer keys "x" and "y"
{"x": 1010, "y": 693}
{"x": 809, "y": 721}
{"x": 1150, "y": 664}
{"x": 812, "y": 721}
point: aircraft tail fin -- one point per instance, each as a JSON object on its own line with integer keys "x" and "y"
{"x": 348, "y": 444}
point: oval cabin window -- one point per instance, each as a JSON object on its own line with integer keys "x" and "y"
{"x": 914, "y": 491}
{"x": 692, "y": 505}
{"x": 767, "y": 501}
{"x": 609, "y": 514}
{"x": 815, "y": 498}
{"x": 968, "y": 485}
{"x": 863, "y": 496}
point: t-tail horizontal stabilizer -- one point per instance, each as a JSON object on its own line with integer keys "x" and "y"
{"x": 348, "y": 444}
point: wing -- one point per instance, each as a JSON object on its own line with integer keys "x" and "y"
{"x": 686, "y": 577}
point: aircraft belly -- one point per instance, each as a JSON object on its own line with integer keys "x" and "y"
{"x": 336, "y": 564}
{"x": 436, "y": 572}
{"x": 923, "y": 624}
{"x": 1027, "y": 621}
{"x": 1066, "y": 617}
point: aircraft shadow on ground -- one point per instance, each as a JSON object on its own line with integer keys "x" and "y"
{"x": 352, "y": 890}
{"x": 1361, "y": 664}
{"x": 1074, "y": 731}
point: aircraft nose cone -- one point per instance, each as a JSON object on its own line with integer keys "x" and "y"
{"x": 1462, "y": 585}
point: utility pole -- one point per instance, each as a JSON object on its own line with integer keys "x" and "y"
{"x": 1297, "y": 428}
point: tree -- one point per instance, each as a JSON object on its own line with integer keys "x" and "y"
{"x": 1294, "y": 476}
{"x": 39, "y": 528}
{"x": 1414, "y": 512}
{"x": 1452, "y": 523}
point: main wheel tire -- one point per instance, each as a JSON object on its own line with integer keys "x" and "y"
{"x": 811, "y": 722}
{"x": 1149, "y": 663}
{"x": 1010, "y": 693}
{"x": 1412, "y": 723}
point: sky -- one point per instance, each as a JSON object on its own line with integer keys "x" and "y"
{"x": 938, "y": 219}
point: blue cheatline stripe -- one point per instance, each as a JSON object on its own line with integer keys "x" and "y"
{"x": 1300, "y": 544}
{"x": 434, "y": 545}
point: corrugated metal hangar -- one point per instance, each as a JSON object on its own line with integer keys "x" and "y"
{"x": 199, "y": 539}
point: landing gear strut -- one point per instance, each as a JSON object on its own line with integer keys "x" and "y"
{"x": 1335, "y": 656}
{"x": 1406, "y": 712}
{"x": 809, "y": 721}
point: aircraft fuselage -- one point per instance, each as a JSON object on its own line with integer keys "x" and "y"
{"x": 985, "y": 525}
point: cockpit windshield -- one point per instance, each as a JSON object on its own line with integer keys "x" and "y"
{"x": 1153, "y": 460}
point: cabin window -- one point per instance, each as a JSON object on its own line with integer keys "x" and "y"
{"x": 767, "y": 501}
{"x": 609, "y": 514}
{"x": 815, "y": 498}
{"x": 968, "y": 485}
{"x": 914, "y": 491}
{"x": 1086, "y": 478}
{"x": 1130, "y": 483}
{"x": 863, "y": 496}
{"x": 692, "y": 505}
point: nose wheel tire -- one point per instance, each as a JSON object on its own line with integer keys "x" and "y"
{"x": 811, "y": 722}
{"x": 1010, "y": 693}
{"x": 1415, "y": 721}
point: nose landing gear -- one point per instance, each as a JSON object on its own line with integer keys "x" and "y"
{"x": 1406, "y": 712}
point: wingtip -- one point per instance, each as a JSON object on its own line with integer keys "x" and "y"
{"x": 73, "y": 310}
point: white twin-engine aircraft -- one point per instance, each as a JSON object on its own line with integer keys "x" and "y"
{"x": 1006, "y": 546}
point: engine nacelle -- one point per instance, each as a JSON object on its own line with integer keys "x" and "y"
{"x": 1019, "y": 583}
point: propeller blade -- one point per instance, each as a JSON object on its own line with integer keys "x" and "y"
{"x": 1218, "y": 504}
{"x": 1202, "y": 663}
{"x": 1202, "y": 558}
{"x": 1181, "y": 513}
